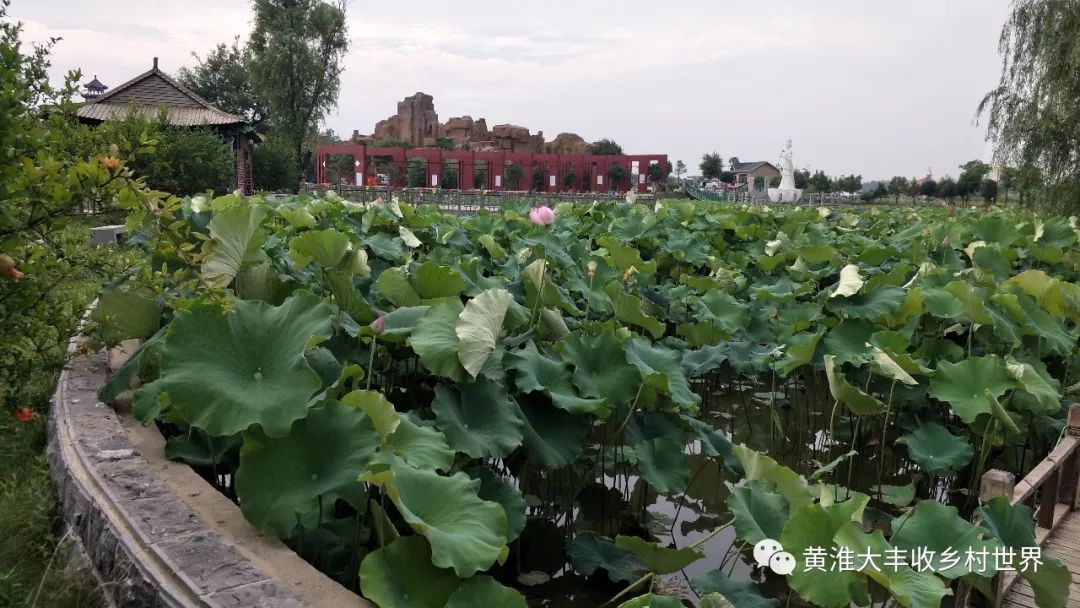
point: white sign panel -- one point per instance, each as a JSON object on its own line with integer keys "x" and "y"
{"x": 599, "y": 180}
{"x": 641, "y": 179}
{"x": 435, "y": 179}
{"x": 498, "y": 181}
{"x": 551, "y": 181}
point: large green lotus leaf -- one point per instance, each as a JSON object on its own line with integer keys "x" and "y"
{"x": 850, "y": 282}
{"x": 899, "y": 496}
{"x": 420, "y": 445}
{"x": 937, "y": 450}
{"x": 297, "y": 218}
{"x": 478, "y": 418}
{"x": 395, "y": 287}
{"x": 401, "y": 575}
{"x": 868, "y": 305}
{"x": 1045, "y": 396}
{"x": 759, "y": 467}
{"x": 323, "y": 452}
{"x": 910, "y": 588}
{"x": 912, "y": 305}
{"x": 478, "y": 328}
{"x": 941, "y": 303}
{"x": 974, "y": 308}
{"x": 701, "y": 361}
{"x": 723, "y": 311}
{"x": 933, "y": 526}
{"x": 588, "y": 553}
{"x": 199, "y": 449}
{"x": 435, "y": 281}
{"x": 348, "y": 298}
{"x": 857, "y": 401}
{"x": 225, "y": 372}
{"x": 759, "y": 514}
{"x": 663, "y": 463}
{"x": 657, "y": 559}
{"x": 553, "y": 437}
{"x": 885, "y": 364}
{"x": 435, "y": 340}
{"x": 387, "y": 247}
{"x": 379, "y": 410}
{"x": 326, "y": 247}
{"x": 400, "y": 323}
{"x": 1040, "y": 323}
{"x": 235, "y": 238}
{"x": 964, "y": 385}
{"x": 652, "y": 600}
{"x": 742, "y": 594}
{"x": 1011, "y": 524}
{"x": 815, "y": 526}
{"x": 122, "y": 314}
{"x": 263, "y": 282}
{"x": 628, "y": 309}
{"x": 624, "y": 256}
{"x": 538, "y": 373}
{"x": 661, "y": 368}
{"x": 496, "y": 488}
{"x": 485, "y": 591}
{"x": 1050, "y": 583}
{"x": 799, "y": 352}
{"x": 600, "y": 367}
{"x": 848, "y": 341}
{"x": 466, "y": 533}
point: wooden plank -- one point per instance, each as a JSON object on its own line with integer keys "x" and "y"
{"x": 1026, "y": 487}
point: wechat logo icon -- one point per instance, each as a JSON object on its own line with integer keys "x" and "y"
{"x": 769, "y": 554}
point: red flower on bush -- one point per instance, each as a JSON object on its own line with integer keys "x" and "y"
{"x": 111, "y": 162}
{"x": 23, "y": 414}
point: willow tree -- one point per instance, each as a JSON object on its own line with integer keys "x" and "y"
{"x": 1034, "y": 113}
{"x": 296, "y": 51}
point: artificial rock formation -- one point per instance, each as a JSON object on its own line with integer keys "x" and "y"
{"x": 417, "y": 123}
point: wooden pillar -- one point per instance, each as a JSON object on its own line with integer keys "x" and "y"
{"x": 1070, "y": 470}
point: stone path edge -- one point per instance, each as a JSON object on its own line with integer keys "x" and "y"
{"x": 152, "y": 549}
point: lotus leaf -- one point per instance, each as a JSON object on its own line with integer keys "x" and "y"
{"x": 224, "y": 373}
{"x": 420, "y": 445}
{"x": 937, "y": 450}
{"x": 466, "y": 533}
{"x": 478, "y": 327}
{"x": 600, "y": 367}
{"x": 759, "y": 467}
{"x": 743, "y": 594}
{"x": 478, "y": 419}
{"x": 759, "y": 514}
{"x": 485, "y": 591}
{"x": 815, "y": 526}
{"x": 661, "y": 368}
{"x": 401, "y": 575}
{"x": 652, "y": 600}
{"x": 324, "y": 452}
{"x": 552, "y": 437}
{"x": 964, "y": 385}
{"x": 851, "y": 396}
{"x": 538, "y": 373}
{"x": 588, "y": 553}
{"x": 498, "y": 489}
{"x": 326, "y": 247}
{"x": 122, "y": 314}
{"x": 235, "y": 238}
{"x": 435, "y": 340}
{"x": 935, "y": 527}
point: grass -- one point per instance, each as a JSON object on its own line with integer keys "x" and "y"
{"x": 38, "y": 567}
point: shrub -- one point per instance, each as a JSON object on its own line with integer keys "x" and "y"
{"x": 274, "y": 165}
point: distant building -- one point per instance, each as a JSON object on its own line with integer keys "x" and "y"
{"x": 94, "y": 89}
{"x": 154, "y": 90}
{"x": 929, "y": 177}
{"x": 747, "y": 173}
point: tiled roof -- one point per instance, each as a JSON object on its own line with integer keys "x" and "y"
{"x": 96, "y": 84}
{"x": 747, "y": 167}
{"x": 148, "y": 93}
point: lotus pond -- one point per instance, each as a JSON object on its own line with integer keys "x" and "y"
{"x": 613, "y": 408}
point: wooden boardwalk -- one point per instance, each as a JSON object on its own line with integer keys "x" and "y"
{"x": 1063, "y": 544}
{"x": 1051, "y": 489}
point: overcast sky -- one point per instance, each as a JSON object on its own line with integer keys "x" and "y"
{"x": 875, "y": 88}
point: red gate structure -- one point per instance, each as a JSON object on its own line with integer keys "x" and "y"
{"x": 540, "y": 172}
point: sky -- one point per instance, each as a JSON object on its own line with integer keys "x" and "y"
{"x": 866, "y": 87}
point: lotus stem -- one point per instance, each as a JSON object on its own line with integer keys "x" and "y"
{"x": 634, "y": 584}
{"x": 884, "y": 435}
{"x": 371, "y": 362}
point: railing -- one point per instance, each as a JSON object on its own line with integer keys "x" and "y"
{"x": 470, "y": 201}
{"x": 1050, "y": 488}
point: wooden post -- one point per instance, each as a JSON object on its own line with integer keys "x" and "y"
{"x": 994, "y": 483}
{"x": 1048, "y": 501}
{"x": 1070, "y": 470}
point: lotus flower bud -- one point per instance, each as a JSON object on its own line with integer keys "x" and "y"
{"x": 630, "y": 272}
{"x": 592, "y": 268}
{"x": 945, "y": 241}
{"x": 377, "y": 325}
{"x": 114, "y": 150}
{"x": 542, "y": 216}
{"x": 198, "y": 204}
{"x": 7, "y": 267}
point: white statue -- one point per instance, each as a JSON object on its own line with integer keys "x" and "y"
{"x": 787, "y": 192}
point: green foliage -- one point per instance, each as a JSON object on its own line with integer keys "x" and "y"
{"x": 296, "y": 51}
{"x": 274, "y": 165}
{"x": 1032, "y": 114}
{"x": 513, "y": 174}
{"x": 605, "y": 147}
{"x": 223, "y": 77}
{"x": 444, "y": 143}
{"x": 711, "y": 165}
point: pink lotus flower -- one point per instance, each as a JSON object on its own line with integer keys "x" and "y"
{"x": 377, "y": 325}
{"x": 15, "y": 274}
{"x": 542, "y": 216}
{"x": 945, "y": 241}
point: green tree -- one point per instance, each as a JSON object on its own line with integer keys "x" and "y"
{"x": 513, "y": 176}
{"x": 972, "y": 174}
{"x": 416, "y": 173}
{"x": 296, "y": 51}
{"x": 802, "y": 178}
{"x": 655, "y": 173}
{"x": 880, "y": 191}
{"x": 849, "y": 183}
{"x": 616, "y": 175}
{"x": 948, "y": 189}
{"x": 680, "y": 168}
{"x": 820, "y": 182}
{"x": 989, "y": 190}
{"x": 605, "y": 147}
{"x": 274, "y": 165}
{"x": 727, "y": 177}
{"x": 1029, "y": 180}
{"x": 223, "y": 77}
{"x": 1033, "y": 115}
{"x": 928, "y": 188}
{"x": 391, "y": 143}
{"x": 759, "y": 183}
{"x": 444, "y": 143}
{"x": 898, "y": 185}
{"x": 1009, "y": 176}
{"x": 711, "y": 166}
